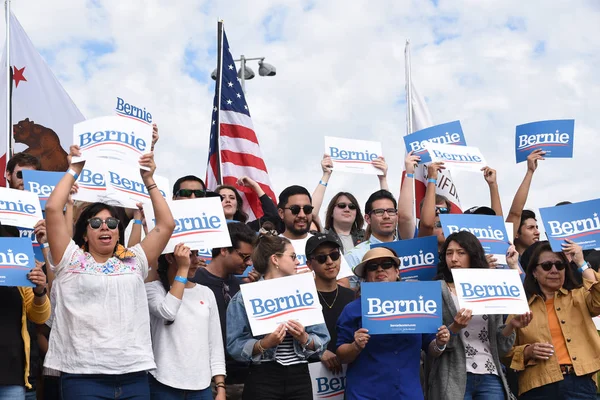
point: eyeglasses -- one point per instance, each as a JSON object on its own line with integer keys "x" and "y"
{"x": 225, "y": 293}
{"x": 295, "y": 209}
{"x": 293, "y": 256}
{"x": 375, "y": 266}
{"x": 380, "y": 211}
{"x": 547, "y": 265}
{"x": 199, "y": 193}
{"x": 322, "y": 258}
{"x": 342, "y": 206}
{"x": 245, "y": 257}
{"x": 437, "y": 224}
{"x": 96, "y": 223}
{"x": 442, "y": 210}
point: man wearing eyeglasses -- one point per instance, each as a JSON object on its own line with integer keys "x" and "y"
{"x": 295, "y": 210}
{"x": 381, "y": 215}
{"x": 219, "y": 276}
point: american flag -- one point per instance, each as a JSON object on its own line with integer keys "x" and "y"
{"x": 240, "y": 153}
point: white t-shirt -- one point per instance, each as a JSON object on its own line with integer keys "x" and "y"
{"x": 189, "y": 352}
{"x": 300, "y": 250}
{"x": 101, "y": 322}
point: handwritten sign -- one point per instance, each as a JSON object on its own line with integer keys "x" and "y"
{"x": 16, "y": 260}
{"x": 19, "y": 208}
{"x": 271, "y": 302}
{"x": 326, "y": 384}
{"x": 351, "y": 155}
{"x": 450, "y": 133}
{"x": 554, "y": 137}
{"x": 199, "y": 223}
{"x": 115, "y": 138}
{"x": 418, "y": 257}
{"x": 401, "y": 307}
{"x": 457, "y": 157}
{"x": 578, "y": 222}
{"x": 41, "y": 183}
{"x": 490, "y": 291}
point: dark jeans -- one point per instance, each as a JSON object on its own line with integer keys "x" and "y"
{"x": 132, "y": 386}
{"x": 158, "y": 391}
{"x": 484, "y": 387}
{"x": 273, "y": 381}
{"x": 573, "y": 387}
{"x": 51, "y": 387}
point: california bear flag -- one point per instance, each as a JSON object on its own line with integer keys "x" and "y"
{"x": 43, "y": 114}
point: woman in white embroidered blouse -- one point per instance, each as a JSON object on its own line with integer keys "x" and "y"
{"x": 186, "y": 331}
{"x": 100, "y": 337}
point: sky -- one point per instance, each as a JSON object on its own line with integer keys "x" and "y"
{"x": 492, "y": 64}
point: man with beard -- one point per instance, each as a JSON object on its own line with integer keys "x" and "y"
{"x": 295, "y": 210}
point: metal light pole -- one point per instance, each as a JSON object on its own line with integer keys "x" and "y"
{"x": 246, "y": 72}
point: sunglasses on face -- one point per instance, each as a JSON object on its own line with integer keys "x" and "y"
{"x": 380, "y": 211}
{"x": 187, "y": 193}
{"x": 293, "y": 256}
{"x": 244, "y": 257}
{"x": 342, "y": 206}
{"x": 322, "y": 258}
{"x": 547, "y": 265}
{"x": 19, "y": 174}
{"x": 296, "y": 209}
{"x": 96, "y": 223}
{"x": 372, "y": 267}
{"x": 441, "y": 210}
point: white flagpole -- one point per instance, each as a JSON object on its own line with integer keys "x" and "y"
{"x": 409, "y": 113}
{"x": 8, "y": 88}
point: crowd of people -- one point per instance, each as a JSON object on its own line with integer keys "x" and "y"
{"x": 110, "y": 320}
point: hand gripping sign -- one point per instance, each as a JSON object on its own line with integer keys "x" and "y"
{"x": 19, "y": 208}
{"x": 16, "y": 260}
{"x": 115, "y": 138}
{"x": 457, "y": 157}
{"x": 350, "y": 155}
{"x": 199, "y": 223}
{"x": 578, "y": 222}
{"x": 490, "y": 291}
{"x": 450, "y": 133}
{"x": 272, "y": 302}
{"x": 401, "y": 307}
{"x": 554, "y": 137}
{"x": 418, "y": 257}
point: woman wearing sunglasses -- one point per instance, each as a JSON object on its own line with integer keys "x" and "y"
{"x": 100, "y": 337}
{"x": 557, "y": 355}
{"x": 470, "y": 368}
{"x": 382, "y": 366}
{"x": 278, "y": 368}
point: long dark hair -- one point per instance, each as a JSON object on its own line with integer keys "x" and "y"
{"x": 239, "y": 215}
{"x": 531, "y": 285}
{"x": 89, "y": 212}
{"x": 471, "y": 245}
{"x": 163, "y": 275}
{"x": 359, "y": 221}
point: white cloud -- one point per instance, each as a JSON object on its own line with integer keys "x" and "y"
{"x": 340, "y": 72}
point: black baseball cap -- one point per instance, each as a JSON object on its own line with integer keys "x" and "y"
{"x": 317, "y": 240}
{"x": 481, "y": 210}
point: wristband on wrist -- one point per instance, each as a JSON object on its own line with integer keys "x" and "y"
{"x": 137, "y": 221}
{"x": 412, "y": 176}
{"x": 220, "y": 385}
{"x": 259, "y": 345}
{"x": 431, "y": 180}
{"x": 323, "y": 183}
{"x": 149, "y": 188}
{"x": 72, "y": 172}
{"x": 181, "y": 279}
{"x": 585, "y": 266}
{"x": 45, "y": 245}
{"x": 440, "y": 349}
{"x": 305, "y": 345}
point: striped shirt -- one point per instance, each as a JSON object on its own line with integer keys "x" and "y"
{"x": 285, "y": 354}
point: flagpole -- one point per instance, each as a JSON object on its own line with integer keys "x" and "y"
{"x": 409, "y": 115}
{"x": 219, "y": 83}
{"x": 8, "y": 88}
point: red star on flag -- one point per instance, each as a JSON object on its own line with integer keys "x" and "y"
{"x": 18, "y": 75}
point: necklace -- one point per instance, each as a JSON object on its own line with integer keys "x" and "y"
{"x": 337, "y": 290}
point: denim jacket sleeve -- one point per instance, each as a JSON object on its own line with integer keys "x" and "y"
{"x": 320, "y": 335}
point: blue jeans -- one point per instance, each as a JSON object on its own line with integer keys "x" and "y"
{"x": 132, "y": 386}
{"x": 484, "y": 387}
{"x": 572, "y": 387}
{"x": 158, "y": 391}
{"x": 12, "y": 392}
{"x": 30, "y": 395}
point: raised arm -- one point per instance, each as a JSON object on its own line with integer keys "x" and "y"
{"x": 428, "y": 211}
{"x": 319, "y": 193}
{"x": 380, "y": 163}
{"x": 406, "y": 206}
{"x": 516, "y": 208}
{"x": 156, "y": 240}
{"x": 59, "y": 235}
{"x": 489, "y": 175}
